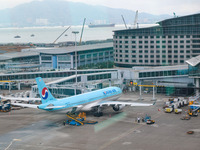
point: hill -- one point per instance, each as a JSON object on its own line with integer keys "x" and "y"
{"x": 60, "y": 13}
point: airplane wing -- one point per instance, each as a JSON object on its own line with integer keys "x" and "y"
{"x": 114, "y": 103}
{"x": 19, "y": 98}
{"x": 25, "y": 105}
{"x": 108, "y": 103}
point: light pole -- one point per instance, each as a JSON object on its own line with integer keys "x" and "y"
{"x": 75, "y": 32}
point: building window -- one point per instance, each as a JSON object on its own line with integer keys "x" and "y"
{"x": 146, "y": 42}
{"x": 181, "y": 51}
{"x": 157, "y": 37}
{"x": 152, "y": 56}
{"x": 146, "y": 37}
{"x": 175, "y": 46}
{"x": 152, "y": 37}
{"x": 175, "y": 61}
{"x": 152, "y": 46}
{"x": 126, "y": 37}
{"x": 157, "y": 46}
{"x": 146, "y": 51}
{"x": 140, "y": 46}
{"x": 182, "y": 56}
{"x": 126, "y": 42}
{"x": 120, "y": 51}
{"x": 175, "y": 36}
{"x": 181, "y": 46}
{"x": 126, "y": 51}
{"x": 169, "y": 51}
{"x": 169, "y": 46}
{"x": 140, "y": 42}
{"x": 169, "y": 41}
{"x": 158, "y": 61}
{"x": 120, "y": 60}
{"x": 182, "y": 61}
{"x": 133, "y": 42}
{"x": 152, "y": 61}
{"x": 169, "y": 36}
{"x": 133, "y": 51}
{"x": 163, "y": 51}
{"x": 146, "y": 46}
{"x": 187, "y": 36}
{"x": 140, "y": 56}
{"x": 157, "y": 41}
{"x": 152, "y": 42}
{"x": 175, "y": 56}
{"x": 146, "y": 61}
{"x": 126, "y": 60}
{"x": 163, "y": 41}
{"x": 133, "y": 46}
{"x": 157, "y": 56}
{"x": 151, "y": 51}
{"x": 126, "y": 46}
{"x": 134, "y": 61}
{"x": 187, "y": 46}
{"x": 146, "y": 56}
{"x": 133, "y": 56}
{"x": 157, "y": 51}
{"x": 187, "y": 56}
{"x": 169, "y": 56}
{"x": 140, "y": 37}
{"x": 187, "y": 51}
{"x": 175, "y": 41}
{"x": 126, "y": 56}
{"x": 182, "y": 36}
{"x": 175, "y": 51}
{"x": 181, "y": 41}
{"x": 163, "y": 46}
{"x": 140, "y": 51}
{"x": 163, "y": 56}
{"x": 141, "y": 61}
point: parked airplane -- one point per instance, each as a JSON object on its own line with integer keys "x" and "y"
{"x": 91, "y": 101}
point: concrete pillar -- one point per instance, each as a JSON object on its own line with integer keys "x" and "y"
{"x": 197, "y": 86}
{"x": 18, "y": 86}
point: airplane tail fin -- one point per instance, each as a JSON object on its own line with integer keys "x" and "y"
{"x": 44, "y": 92}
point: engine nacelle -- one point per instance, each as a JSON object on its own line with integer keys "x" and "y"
{"x": 118, "y": 107}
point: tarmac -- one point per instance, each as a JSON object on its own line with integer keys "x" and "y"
{"x": 30, "y": 129}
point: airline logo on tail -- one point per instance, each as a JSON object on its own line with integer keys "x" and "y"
{"x": 45, "y": 93}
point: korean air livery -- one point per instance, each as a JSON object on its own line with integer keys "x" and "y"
{"x": 91, "y": 101}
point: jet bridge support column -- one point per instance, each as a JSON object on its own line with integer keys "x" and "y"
{"x": 18, "y": 86}
{"x": 197, "y": 87}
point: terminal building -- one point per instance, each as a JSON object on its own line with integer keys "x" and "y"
{"x": 172, "y": 42}
{"x": 55, "y": 58}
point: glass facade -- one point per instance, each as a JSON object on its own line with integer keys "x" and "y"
{"x": 50, "y": 74}
{"x": 179, "y": 37}
{"x": 163, "y": 73}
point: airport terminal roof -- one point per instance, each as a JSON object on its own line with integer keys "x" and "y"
{"x": 64, "y": 50}
{"x": 7, "y": 56}
{"x": 194, "y": 61}
{"x": 53, "y": 50}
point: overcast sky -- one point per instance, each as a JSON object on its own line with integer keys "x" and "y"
{"x": 180, "y": 7}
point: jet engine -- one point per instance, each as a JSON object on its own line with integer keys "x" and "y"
{"x": 118, "y": 107}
